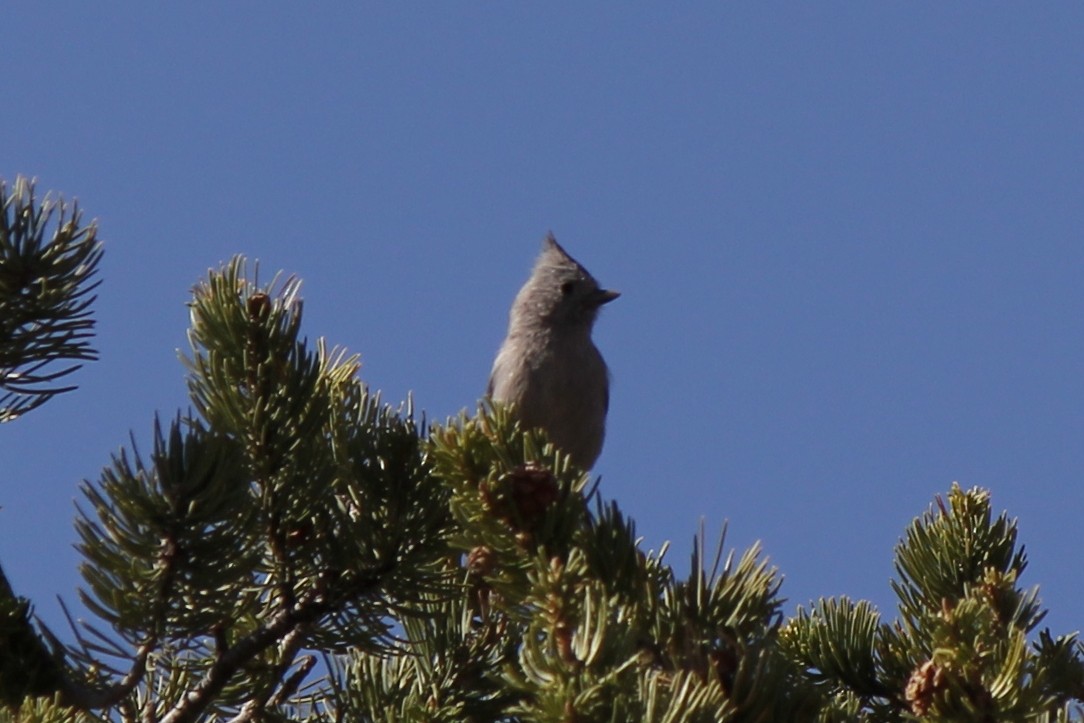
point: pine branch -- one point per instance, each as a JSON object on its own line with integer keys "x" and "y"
{"x": 308, "y": 610}
{"x": 27, "y": 666}
{"x": 45, "y": 297}
{"x": 270, "y": 697}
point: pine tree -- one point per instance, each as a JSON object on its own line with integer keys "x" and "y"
{"x": 293, "y": 548}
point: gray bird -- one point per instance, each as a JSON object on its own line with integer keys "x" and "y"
{"x": 548, "y": 367}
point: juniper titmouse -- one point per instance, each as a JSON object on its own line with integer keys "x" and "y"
{"x": 548, "y": 367}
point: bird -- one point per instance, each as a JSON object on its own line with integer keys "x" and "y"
{"x": 548, "y": 370}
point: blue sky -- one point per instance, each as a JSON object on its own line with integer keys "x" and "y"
{"x": 848, "y": 238}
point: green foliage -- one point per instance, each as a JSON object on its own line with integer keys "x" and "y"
{"x": 45, "y": 710}
{"x": 26, "y": 666}
{"x": 560, "y": 616}
{"x": 45, "y": 297}
{"x": 190, "y": 507}
{"x": 960, "y": 650}
{"x": 293, "y": 514}
{"x": 294, "y": 549}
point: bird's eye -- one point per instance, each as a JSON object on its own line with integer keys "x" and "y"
{"x": 567, "y": 287}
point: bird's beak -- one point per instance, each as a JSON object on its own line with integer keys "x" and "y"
{"x": 604, "y": 296}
